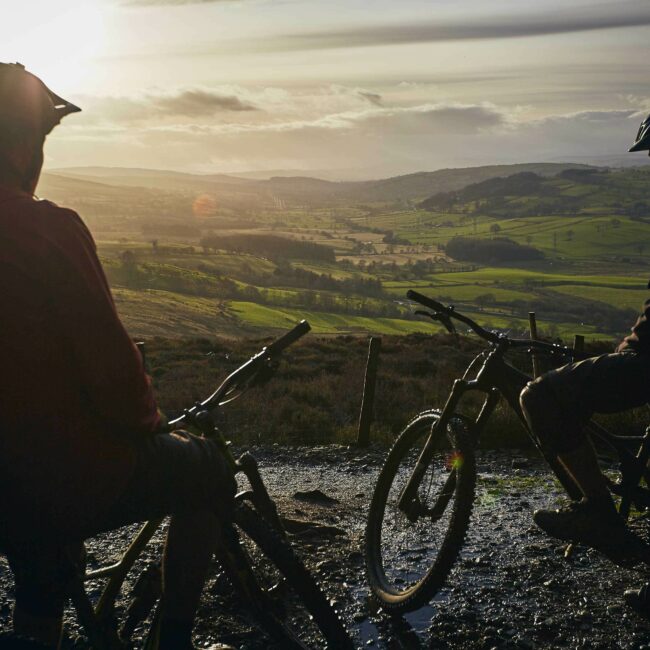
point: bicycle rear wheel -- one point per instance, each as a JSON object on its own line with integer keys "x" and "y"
{"x": 408, "y": 558}
{"x": 276, "y": 588}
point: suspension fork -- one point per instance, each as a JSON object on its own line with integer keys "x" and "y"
{"x": 406, "y": 499}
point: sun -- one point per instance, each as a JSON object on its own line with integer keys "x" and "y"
{"x": 56, "y": 41}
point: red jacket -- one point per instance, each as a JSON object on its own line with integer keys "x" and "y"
{"x": 73, "y": 393}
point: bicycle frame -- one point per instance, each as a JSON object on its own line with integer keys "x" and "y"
{"x": 497, "y": 378}
{"x": 98, "y": 621}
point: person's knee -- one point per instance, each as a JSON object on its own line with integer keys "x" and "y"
{"x": 218, "y": 479}
{"x": 542, "y": 413}
{"x": 555, "y": 429}
{"x": 536, "y": 399}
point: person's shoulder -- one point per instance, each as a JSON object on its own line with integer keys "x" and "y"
{"x": 60, "y": 222}
{"x": 50, "y": 210}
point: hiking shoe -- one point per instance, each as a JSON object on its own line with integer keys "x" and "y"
{"x": 639, "y": 599}
{"x": 596, "y": 526}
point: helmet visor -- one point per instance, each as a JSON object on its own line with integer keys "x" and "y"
{"x": 642, "y": 142}
{"x": 26, "y": 103}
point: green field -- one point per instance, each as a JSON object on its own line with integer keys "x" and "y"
{"x": 325, "y": 323}
{"x": 593, "y": 231}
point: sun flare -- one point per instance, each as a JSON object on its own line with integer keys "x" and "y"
{"x": 61, "y": 45}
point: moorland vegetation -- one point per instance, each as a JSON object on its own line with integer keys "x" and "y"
{"x": 199, "y": 264}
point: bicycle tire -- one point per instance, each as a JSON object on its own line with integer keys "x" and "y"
{"x": 386, "y": 589}
{"x": 277, "y": 550}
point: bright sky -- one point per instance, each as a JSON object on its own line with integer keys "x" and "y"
{"x": 376, "y": 87}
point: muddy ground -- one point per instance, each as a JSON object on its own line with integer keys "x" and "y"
{"x": 511, "y": 588}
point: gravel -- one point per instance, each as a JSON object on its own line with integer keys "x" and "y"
{"x": 512, "y": 587}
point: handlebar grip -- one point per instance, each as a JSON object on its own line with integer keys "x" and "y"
{"x": 290, "y": 337}
{"x": 424, "y": 300}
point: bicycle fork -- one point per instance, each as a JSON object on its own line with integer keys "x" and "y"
{"x": 408, "y": 502}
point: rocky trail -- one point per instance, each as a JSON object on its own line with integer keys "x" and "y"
{"x": 511, "y": 588}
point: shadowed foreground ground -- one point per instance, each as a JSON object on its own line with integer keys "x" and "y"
{"x": 512, "y": 587}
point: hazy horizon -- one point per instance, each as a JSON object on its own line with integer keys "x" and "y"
{"x": 373, "y": 88}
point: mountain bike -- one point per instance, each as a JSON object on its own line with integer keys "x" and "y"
{"x": 266, "y": 576}
{"x": 422, "y": 502}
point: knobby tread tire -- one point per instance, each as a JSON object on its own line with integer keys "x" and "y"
{"x": 434, "y": 579}
{"x": 276, "y": 548}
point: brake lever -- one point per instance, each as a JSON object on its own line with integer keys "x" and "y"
{"x": 445, "y": 319}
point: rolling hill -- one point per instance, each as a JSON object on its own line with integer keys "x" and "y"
{"x": 571, "y": 192}
{"x": 300, "y": 190}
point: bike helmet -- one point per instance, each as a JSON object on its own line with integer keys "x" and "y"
{"x": 27, "y": 104}
{"x": 642, "y": 142}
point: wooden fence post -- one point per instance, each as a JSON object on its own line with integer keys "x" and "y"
{"x": 578, "y": 344}
{"x": 533, "y": 336}
{"x": 367, "y": 403}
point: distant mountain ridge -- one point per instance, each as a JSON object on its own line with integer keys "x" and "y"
{"x": 309, "y": 190}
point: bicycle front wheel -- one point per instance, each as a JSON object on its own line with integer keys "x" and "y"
{"x": 276, "y": 588}
{"x": 410, "y": 554}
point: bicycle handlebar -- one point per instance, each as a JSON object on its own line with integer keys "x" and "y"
{"x": 540, "y": 346}
{"x": 241, "y": 378}
{"x": 281, "y": 344}
{"x": 451, "y": 312}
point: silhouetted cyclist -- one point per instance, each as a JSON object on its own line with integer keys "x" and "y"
{"x": 557, "y": 406}
{"x": 80, "y": 448}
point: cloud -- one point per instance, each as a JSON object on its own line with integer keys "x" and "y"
{"x": 291, "y": 133}
{"x": 373, "y": 98}
{"x": 422, "y": 119}
{"x": 199, "y": 103}
{"x": 193, "y": 103}
{"x": 608, "y": 15}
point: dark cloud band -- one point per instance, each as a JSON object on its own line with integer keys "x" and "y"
{"x": 160, "y": 3}
{"x": 603, "y": 16}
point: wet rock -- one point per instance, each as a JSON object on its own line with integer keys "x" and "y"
{"x": 304, "y": 527}
{"x": 315, "y": 496}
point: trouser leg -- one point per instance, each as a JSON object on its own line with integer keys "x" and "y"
{"x": 568, "y": 444}
{"x": 191, "y": 541}
{"x": 41, "y": 575}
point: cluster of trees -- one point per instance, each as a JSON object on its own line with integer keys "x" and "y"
{"x": 271, "y": 246}
{"x": 391, "y": 238}
{"x": 292, "y": 276}
{"x": 491, "y": 251}
{"x": 129, "y": 272}
{"x": 638, "y": 210}
{"x": 557, "y": 306}
{"x": 353, "y": 295}
{"x": 324, "y": 301}
{"x": 521, "y": 184}
{"x": 590, "y": 176}
{"x": 170, "y": 228}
